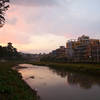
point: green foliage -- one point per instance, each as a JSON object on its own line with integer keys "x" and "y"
{"x": 12, "y": 87}
{"x": 53, "y": 58}
{"x": 93, "y": 69}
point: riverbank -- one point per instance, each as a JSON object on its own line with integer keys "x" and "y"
{"x": 12, "y": 87}
{"x": 93, "y": 69}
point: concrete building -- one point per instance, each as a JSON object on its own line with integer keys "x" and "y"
{"x": 61, "y": 51}
{"x": 84, "y": 49}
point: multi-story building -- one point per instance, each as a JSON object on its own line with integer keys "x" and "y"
{"x": 84, "y": 49}
{"x": 59, "y": 52}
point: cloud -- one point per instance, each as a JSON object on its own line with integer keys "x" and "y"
{"x": 33, "y": 24}
{"x": 13, "y": 21}
{"x": 40, "y": 2}
{"x": 36, "y": 2}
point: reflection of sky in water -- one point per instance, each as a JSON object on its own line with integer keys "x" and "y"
{"x": 52, "y": 86}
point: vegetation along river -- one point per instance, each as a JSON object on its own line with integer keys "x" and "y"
{"x": 52, "y": 84}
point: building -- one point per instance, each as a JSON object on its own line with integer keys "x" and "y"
{"x": 61, "y": 51}
{"x": 83, "y": 49}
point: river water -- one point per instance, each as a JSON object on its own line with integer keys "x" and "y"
{"x": 52, "y": 84}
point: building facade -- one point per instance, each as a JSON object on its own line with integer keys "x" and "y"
{"x": 84, "y": 49}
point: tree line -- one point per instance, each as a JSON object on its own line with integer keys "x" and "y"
{"x": 8, "y": 52}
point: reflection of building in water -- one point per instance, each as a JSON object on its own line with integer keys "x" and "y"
{"x": 60, "y": 72}
{"x": 82, "y": 80}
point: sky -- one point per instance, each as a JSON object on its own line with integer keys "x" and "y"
{"x": 36, "y": 26}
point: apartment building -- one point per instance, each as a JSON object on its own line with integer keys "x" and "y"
{"x": 84, "y": 49}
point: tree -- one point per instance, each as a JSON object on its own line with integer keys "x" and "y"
{"x": 9, "y": 52}
{"x": 4, "y": 5}
{"x": 10, "y": 49}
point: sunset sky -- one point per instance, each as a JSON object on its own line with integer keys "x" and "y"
{"x": 36, "y": 26}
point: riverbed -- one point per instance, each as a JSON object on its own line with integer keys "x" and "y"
{"x": 52, "y": 84}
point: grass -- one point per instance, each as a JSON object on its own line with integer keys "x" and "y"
{"x": 93, "y": 69}
{"x": 12, "y": 87}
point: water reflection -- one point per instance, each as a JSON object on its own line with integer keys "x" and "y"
{"x": 83, "y": 80}
{"x": 58, "y": 84}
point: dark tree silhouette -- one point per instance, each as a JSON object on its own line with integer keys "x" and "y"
{"x": 4, "y": 5}
{"x": 9, "y": 52}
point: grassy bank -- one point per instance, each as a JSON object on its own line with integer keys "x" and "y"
{"x": 93, "y": 69}
{"x": 12, "y": 87}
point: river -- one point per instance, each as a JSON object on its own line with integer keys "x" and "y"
{"x": 52, "y": 84}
